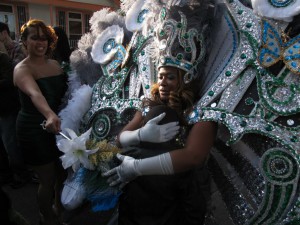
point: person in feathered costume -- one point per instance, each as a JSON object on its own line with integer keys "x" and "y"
{"x": 179, "y": 47}
{"x": 248, "y": 86}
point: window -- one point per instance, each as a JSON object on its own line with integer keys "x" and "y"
{"x": 75, "y": 25}
{"x": 6, "y": 8}
{"x": 62, "y": 19}
{"x": 7, "y": 16}
{"x": 22, "y": 18}
{"x": 87, "y": 23}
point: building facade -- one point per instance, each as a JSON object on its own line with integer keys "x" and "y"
{"x": 72, "y": 15}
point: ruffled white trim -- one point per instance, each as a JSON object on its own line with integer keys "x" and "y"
{"x": 131, "y": 19}
{"x": 265, "y": 9}
{"x": 114, "y": 32}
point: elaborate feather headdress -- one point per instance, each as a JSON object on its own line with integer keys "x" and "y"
{"x": 181, "y": 35}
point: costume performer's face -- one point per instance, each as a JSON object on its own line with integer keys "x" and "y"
{"x": 167, "y": 81}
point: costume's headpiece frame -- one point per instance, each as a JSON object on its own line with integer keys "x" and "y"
{"x": 180, "y": 36}
{"x": 180, "y": 47}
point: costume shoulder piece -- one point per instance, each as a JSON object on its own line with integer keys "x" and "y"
{"x": 245, "y": 56}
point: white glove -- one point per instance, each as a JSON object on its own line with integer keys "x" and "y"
{"x": 130, "y": 168}
{"x": 151, "y": 132}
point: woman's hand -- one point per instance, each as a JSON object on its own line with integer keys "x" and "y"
{"x": 152, "y": 132}
{"x": 53, "y": 124}
{"x": 123, "y": 173}
{"x": 130, "y": 168}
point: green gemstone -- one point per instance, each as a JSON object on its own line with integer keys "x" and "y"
{"x": 144, "y": 68}
{"x": 228, "y": 73}
{"x": 240, "y": 11}
{"x": 179, "y": 25}
{"x": 186, "y": 36}
{"x": 131, "y": 103}
{"x": 211, "y": 93}
{"x": 147, "y": 86}
{"x": 249, "y": 101}
{"x": 188, "y": 49}
{"x": 294, "y": 139}
{"x": 243, "y": 123}
{"x": 269, "y": 128}
{"x": 163, "y": 13}
{"x": 248, "y": 25}
{"x": 143, "y": 52}
{"x": 223, "y": 115}
{"x": 179, "y": 57}
{"x": 243, "y": 56}
{"x": 162, "y": 33}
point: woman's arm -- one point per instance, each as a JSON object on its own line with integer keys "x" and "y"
{"x": 24, "y": 80}
{"x": 195, "y": 152}
{"x": 199, "y": 142}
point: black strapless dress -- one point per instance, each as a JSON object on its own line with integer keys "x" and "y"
{"x": 38, "y": 146}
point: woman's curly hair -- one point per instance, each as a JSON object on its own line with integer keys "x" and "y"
{"x": 181, "y": 100}
{"x": 47, "y": 30}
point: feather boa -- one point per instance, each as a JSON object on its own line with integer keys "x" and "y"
{"x": 77, "y": 106}
{"x": 265, "y": 9}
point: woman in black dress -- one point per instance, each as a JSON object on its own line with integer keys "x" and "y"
{"x": 42, "y": 84}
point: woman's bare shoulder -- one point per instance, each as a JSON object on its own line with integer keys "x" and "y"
{"x": 55, "y": 66}
{"x": 53, "y": 62}
{"x": 22, "y": 67}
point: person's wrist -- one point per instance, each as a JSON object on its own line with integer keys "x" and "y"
{"x": 136, "y": 167}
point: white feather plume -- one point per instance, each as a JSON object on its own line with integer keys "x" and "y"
{"x": 103, "y": 19}
{"x": 77, "y": 106}
{"x": 131, "y": 20}
{"x": 265, "y": 9}
{"x": 113, "y": 32}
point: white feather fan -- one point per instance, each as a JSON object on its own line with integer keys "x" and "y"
{"x": 104, "y": 47}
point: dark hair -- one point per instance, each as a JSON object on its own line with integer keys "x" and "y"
{"x": 62, "y": 51}
{"x": 4, "y": 26}
{"x": 47, "y": 30}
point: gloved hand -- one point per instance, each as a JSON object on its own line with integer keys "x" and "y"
{"x": 154, "y": 133}
{"x": 130, "y": 168}
{"x": 151, "y": 132}
{"x": 123, "y": 173}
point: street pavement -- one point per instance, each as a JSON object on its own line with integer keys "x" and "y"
{"x": 24, "y": 201}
